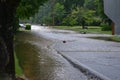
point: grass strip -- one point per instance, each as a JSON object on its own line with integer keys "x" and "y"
{"x": 91, "y": 29}
{"x": 18, "y": 69}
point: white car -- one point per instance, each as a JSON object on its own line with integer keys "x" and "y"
{"x": 22, "y": 25}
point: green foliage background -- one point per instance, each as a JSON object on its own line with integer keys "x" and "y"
{"x": 71, "y": 13}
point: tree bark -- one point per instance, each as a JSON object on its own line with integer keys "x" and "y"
{"x": 113, "y": 28}
{"x": 7, "y": 13}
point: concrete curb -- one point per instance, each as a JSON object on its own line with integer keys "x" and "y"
{"x": 90, "y": 73}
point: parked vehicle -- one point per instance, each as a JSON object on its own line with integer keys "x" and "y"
{"x": 22, "y": 25}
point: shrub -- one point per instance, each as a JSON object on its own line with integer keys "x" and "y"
{"x": 106, "y": 27}
{"x": 28, "y": 27}
{"x": 69, "y": 21}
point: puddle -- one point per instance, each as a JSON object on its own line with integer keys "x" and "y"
{"x": 34, "y": 62}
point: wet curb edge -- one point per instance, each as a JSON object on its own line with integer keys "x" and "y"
{"x": 90, "y": 73}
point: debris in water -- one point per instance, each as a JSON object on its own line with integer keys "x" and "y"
{"x": 64, "y": 41}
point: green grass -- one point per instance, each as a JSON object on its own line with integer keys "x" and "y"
{"x": 91, "y": 29}
{"x": 110, "y": 38}
{"x": 116, "y": 38}
{"x": 18, "y": 69}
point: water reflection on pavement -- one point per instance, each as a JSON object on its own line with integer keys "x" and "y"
{"x": 39, "y": 62}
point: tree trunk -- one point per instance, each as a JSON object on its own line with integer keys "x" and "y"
{"x": 83, "y": 24}
{"x": 113, "y": 28}
{"x": 7, "y": 13}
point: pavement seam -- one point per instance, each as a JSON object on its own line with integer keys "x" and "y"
{"x": 90, "y": 73}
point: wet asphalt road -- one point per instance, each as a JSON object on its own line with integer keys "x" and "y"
{"x": 45, "y": 63}
{"x": 99, "y": 55}
{"x": 39, "y": 61}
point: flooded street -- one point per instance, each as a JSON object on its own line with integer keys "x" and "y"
{"x": 39, "y": 61}
{"x": 51, "y": 54}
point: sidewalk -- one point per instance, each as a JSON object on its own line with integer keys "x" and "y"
{"x": 97, "y": 57}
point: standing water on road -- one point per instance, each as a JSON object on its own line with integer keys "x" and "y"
{"x": 39, "y": 61}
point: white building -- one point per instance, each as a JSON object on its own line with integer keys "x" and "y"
{"x": 112, "y": 10}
